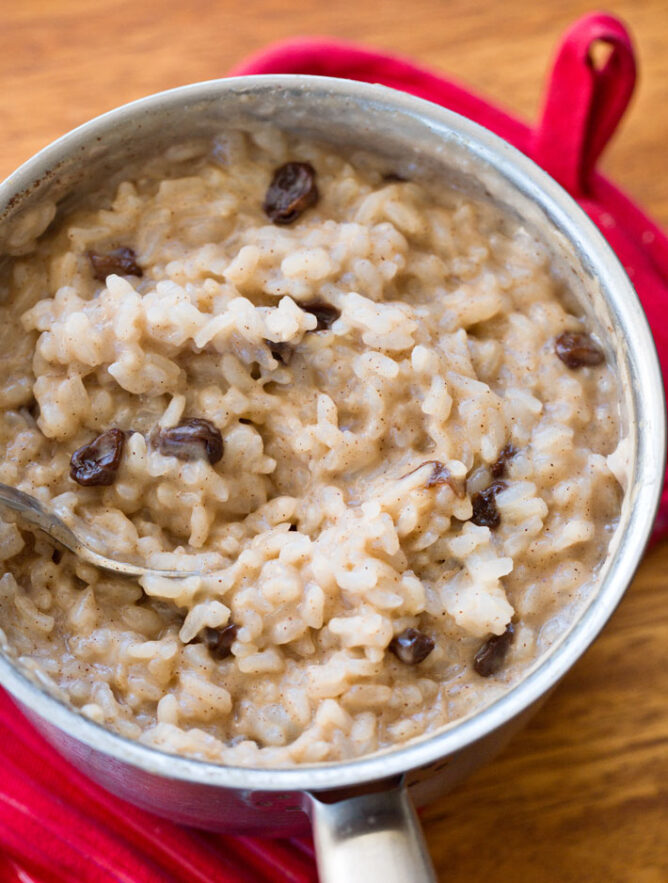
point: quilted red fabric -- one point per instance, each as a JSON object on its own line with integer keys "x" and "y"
{"x": 58, "y": 827}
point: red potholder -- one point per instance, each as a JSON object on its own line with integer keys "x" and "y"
{"x": 58, "y": 827}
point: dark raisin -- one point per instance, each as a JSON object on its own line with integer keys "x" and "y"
{"x": 393, "y": 178}
{"x": 489, "y": 658}
{"x": 245, "y": 421}
{"x": 219, "y": 641}
{"x": 191, "y": 440}
{"x": 485, "y": 512}
{"x": 498, "y": 468}
{"x": 325, "y": 313}
{"x": 291, "y": 192}
{"x": 281, "y": 351}
{"x": 576, "y": 350}
{"x": 57, "y": 556}
{"x": 440, "y": 474}
{"x": 122, "y": 261}
{"x": 97, "y": 462}
{"x": 412, "y": 646}
{"x": 293, "y": 527}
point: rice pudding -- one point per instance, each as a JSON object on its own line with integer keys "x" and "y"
{"x": 363, "y": 404}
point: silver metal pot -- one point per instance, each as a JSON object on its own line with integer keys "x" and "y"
{"x": 364, "y": 825}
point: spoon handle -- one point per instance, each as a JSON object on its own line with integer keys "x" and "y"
{"x": 33, "y": 515}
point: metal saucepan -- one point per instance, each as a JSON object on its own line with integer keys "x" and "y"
{"x": 364, "y": 824}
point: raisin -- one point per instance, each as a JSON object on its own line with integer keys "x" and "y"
{"x": 575, "y": 350}
{"x": 440, "y": 474}
{"x": 393, "y": 178}
{"x": 485, "y": 513}
{"x": 191, "y": 440}
{"x": 122, "y": 261}
{"x": 97, "y": 462}
{"x": 325, "y": 313}
{"x": 219, "y": 641}
{"x": 293, "y": 527}
{"x": 498, "y": 468}
{"x": 281, "y": 351}
{"x": 412, "y": 646}
{"x": 489, "y": 658}
{"x": 57, "y": 556}
{"x": 291, "y": 192}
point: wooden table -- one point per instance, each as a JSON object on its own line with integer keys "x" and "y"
{"x": 581, "y": 794}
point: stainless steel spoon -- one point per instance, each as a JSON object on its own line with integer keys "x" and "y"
{"x": 34, "y": 515}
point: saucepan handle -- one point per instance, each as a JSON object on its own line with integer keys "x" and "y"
{"x": 372, "y": 838}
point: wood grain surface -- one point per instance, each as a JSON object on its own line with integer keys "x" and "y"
{"x": 581, "y": 794}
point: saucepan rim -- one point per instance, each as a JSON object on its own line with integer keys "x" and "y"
{"x": 647, "y": 403}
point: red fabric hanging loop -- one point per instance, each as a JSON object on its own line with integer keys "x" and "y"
{"x": 584, "y": 103}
